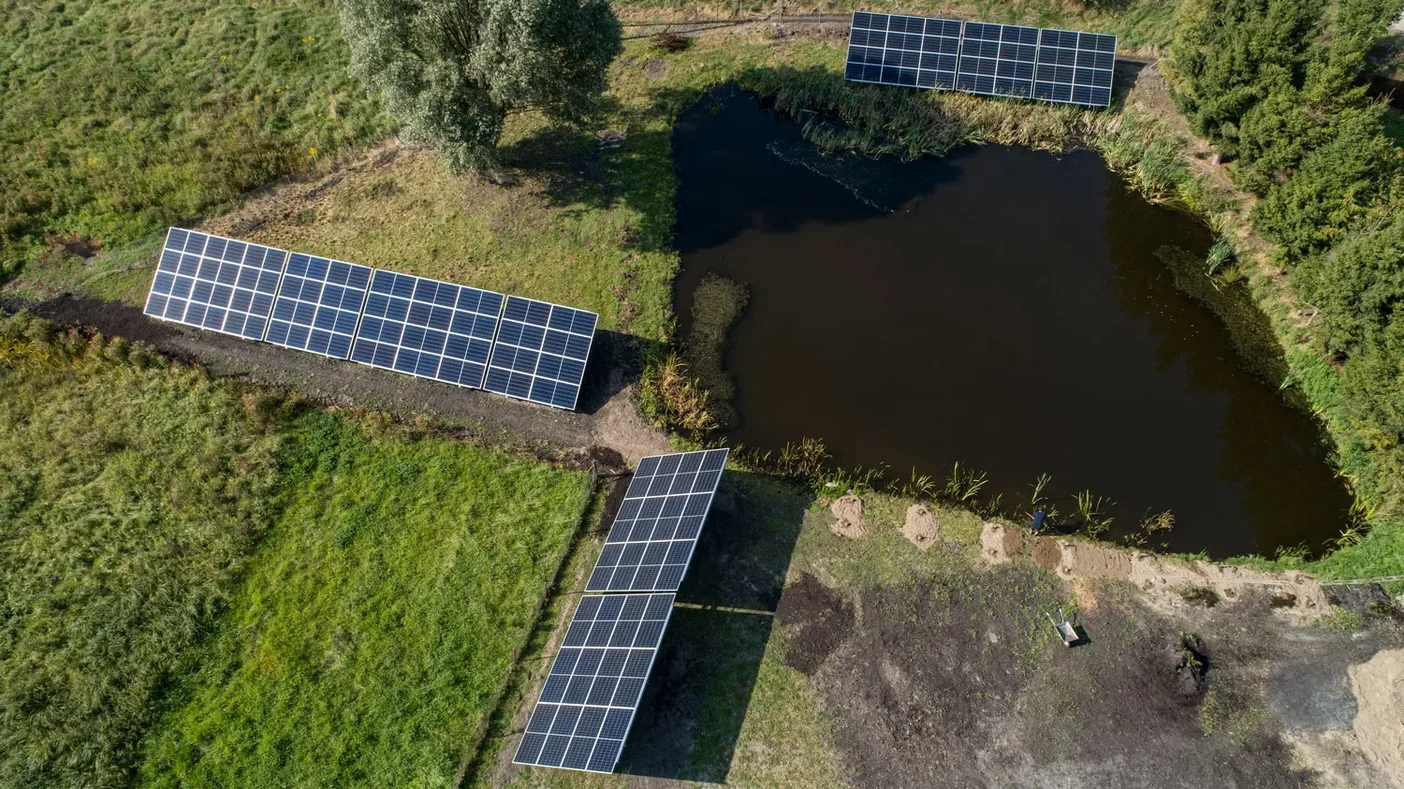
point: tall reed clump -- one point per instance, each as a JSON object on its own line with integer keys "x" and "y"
{"x": 673, "y": 399}
{"x": 1141, "y": 148}
{"x": 910, "y": 124}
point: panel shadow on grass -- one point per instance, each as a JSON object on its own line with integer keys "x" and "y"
{"x": 690, "y": 718}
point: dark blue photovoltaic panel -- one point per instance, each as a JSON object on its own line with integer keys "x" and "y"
{"x": 427, "y": 328}
{"x": 540, "y": 352}
{"x": 982, "y": 58}
{"x": 587, "y": 704}
{"x": 653, "y": 536}
{"x": 215, "y": 283}
{"x": 1075, "y": 68}
{"x": 318, "y": 305}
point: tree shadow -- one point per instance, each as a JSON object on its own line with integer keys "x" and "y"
{"x": 690, "y": 717}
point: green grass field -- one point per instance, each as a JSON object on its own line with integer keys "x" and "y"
{"x": 118, "y": 118}
{"x": 222, "y": 588}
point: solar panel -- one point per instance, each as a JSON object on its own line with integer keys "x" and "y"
{"x": 428, "y": 328}
{"x": 540, "y": 352}
{"x": 653, "y": 536}
{"x": 318, "y": 305}
{"x": 1075, "y": 68}
{"x": 982, "y": 58}
{"x": 215, "y": 283}
{"x": 590, "y": 697}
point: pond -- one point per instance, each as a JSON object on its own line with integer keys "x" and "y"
{"x": 1001, "y": 307}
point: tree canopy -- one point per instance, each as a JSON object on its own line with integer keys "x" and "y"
{"x": 450, "y": 71}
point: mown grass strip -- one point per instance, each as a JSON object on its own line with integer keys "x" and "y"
{"x": 374, "y": 629}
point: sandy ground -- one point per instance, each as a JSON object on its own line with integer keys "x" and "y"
{"x": 1337, "y": 699}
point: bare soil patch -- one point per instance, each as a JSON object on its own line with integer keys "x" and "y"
{"x": 1000, "y": 543}
{"x": 656, "y": 69}
{"x": 1047, "y": 554}
{"x": 957, "y": 680}
{"x": 1379, "y": 688}
{"x": 820, "y": 620}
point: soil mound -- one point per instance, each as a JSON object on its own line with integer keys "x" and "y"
{"x": 821, "y": 621}
{"x": 1000, "y": 543}
{"x": 1379, "y": 724}
{"x": 921, "y": 527}
{"x": 1167, "y": 581}
{"x": 1047, "y": 554}
{"x": 848, "y": 517}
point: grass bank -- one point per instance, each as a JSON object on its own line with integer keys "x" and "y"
{"x": 208, "y": 585}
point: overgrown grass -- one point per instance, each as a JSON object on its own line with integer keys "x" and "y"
{"x": 118, "y": 118}
{"x": 1141, "y": 24}
{"x": 377, "y": 626}
{"x": 131, "y": 495}
{"x": 331, "y": 599}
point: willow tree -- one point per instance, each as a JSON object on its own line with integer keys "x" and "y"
{"x": 450, "y": 71}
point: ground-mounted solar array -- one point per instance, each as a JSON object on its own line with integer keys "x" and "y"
{"x": 318, "y": 305}
{"x": 523, "y": 348}
{"x": 428, "y": 328}
{"x": 590, "y": 697}
{"x": 1061, "y": 66}
{"x": 215, "y": 283}
{"x": 651, "y": 542}
{"x": 540, "y": 352}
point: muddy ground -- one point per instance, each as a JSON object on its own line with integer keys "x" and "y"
{"x": 956, "y": 680}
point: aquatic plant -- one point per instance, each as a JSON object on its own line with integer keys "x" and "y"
{"x": 1221, "y": 254}
{"x": 1091, "y": 513}
{"x": 964, "y": 484}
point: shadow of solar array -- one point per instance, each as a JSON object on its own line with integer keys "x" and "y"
{"x": 522, "y": 348}
{"x": 1059, "y": 66}
{"x": 592, "y": 693}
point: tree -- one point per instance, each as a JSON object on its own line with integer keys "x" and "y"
{"x": 450, "y": 71}
{"x": 1227, "y": 55}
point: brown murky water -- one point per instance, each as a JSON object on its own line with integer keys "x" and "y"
{"x": 1001, "y": 307}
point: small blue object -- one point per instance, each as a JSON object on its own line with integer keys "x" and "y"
{"x": 1039, "y": 516}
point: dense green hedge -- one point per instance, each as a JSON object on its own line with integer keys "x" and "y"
{"x": 1279, "y": 87}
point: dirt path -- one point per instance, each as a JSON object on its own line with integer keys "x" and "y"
{"x": 608, "y": 420}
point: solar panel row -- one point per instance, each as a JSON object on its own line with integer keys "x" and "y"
{"x": 590, "y": 697}
{"x": 530, "y": 350}
{"x": 1060, "y": 66}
